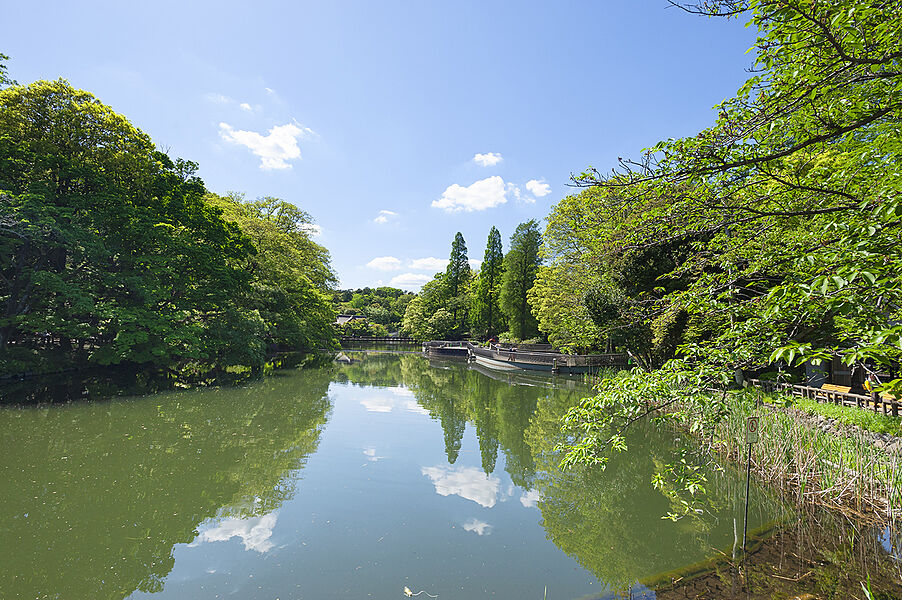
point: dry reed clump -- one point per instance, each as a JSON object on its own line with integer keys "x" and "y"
{"x": 843, "y": 472}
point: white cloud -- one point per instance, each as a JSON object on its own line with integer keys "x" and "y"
{"x": 467, "y": 482}
{"x": 514, "y": 191}
{"x": 312, "y": 229}
{"x": 254, "y": 532}
{"x": 279, "y": 145}
{"x": 218, "y": 98}
{"x": 478, "y": 527}
{"x": 385, "y": 263}
{"x": 428, "y": 264}
{"x": 487, "y": 160}
{"x": 474, "y": 263}
{"x": 384, "y": 215}
{"x": 409, "y": 281}
{"x": 483, "y": 194}
{"x": 246, "y": 106}
{"x": 530, "y": 498}
{"x": 539, "y": 188}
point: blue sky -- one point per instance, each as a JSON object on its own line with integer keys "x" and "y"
{"x": 395, "y": 124}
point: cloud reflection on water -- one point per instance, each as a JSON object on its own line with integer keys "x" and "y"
{"x": 530, "y": 498}
{"x": 397, "y": 398}
{"x": 478, "y": 527}
{"x": 255, "y": 532}
{"x": 467, "y": 482}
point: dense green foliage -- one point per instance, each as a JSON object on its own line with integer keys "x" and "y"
{"x": 458, "y": 271}
{"x": 458, "y": 303}
{"x": 111, "y": 252}
{"x": 594, "y": 293}
{"x": 771, "y": 237}
{"x": 291, "y": 276}
{"x": 4, "y": 72}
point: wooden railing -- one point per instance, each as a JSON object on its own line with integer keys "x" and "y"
{"x": 380, "y": 340}
{"x": 888, "y": 404}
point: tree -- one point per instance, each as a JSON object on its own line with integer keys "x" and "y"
{"x": 111, "y": 252}
{"x": 572, "y": 250}
{"x": 792, "y": 196}
{"x": 520, "y": 267}
{"x": 458, "y": 276}
{"x": 458, "y": 269}
{"x": 426, "y": 316}
{"x": 441, "y": 309}
{"x": 4, "y": 73}
{"x": 487, "y": 316}
{"x": 291, "y": 275}
{"x": 789, "y": 205}
{"x": 105, "y": 239}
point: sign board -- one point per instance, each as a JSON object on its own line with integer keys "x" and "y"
{"x": 751, "y": 430}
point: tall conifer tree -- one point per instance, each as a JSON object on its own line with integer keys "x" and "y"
{"x": 458, "y": 270}
{"x": 457, "y": 279}
{"x": 520, "y": 266}
{"x": 487, "y": 316}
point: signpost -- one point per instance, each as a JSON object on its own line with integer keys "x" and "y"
{"x": 751, "y": 430}
{"x": 751, "y": 437}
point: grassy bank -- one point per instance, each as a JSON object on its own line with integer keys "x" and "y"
{"x": 847, "y": 415}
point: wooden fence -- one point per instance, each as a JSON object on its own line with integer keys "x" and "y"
{"x": 889, "y": 404}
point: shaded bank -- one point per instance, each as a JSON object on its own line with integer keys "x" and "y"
{"x": 820, "y": 553}
{"x": 100, "y": 383}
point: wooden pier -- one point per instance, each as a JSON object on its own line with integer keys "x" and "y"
{"x": 447, "y": 349}
{"x": 510, "y": 358}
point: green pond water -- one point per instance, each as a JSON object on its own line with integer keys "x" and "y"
{"x": 347, "y": 481}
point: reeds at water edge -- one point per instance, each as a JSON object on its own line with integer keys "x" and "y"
{"x": 846, "y": 472}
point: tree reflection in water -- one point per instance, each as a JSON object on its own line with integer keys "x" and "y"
{"x": 609, "y": 521}
{"x": 94, "y": 496}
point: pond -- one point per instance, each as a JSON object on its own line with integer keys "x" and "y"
{"x": 347, "y": 481}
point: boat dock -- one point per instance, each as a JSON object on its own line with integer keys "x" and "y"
{"x": 530, "y": 358}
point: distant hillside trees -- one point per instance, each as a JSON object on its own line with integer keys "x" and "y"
{"x": 384, "y": 306}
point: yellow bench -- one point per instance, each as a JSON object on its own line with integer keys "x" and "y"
{"x": 841, "y": 389}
